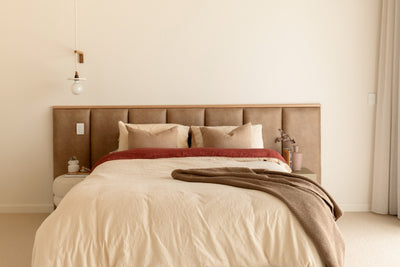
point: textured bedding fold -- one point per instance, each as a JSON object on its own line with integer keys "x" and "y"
{"x": 310, "y": 203}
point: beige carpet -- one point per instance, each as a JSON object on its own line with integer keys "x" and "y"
{"x": 17, "y": 232}
{"x": 371, "y": 240}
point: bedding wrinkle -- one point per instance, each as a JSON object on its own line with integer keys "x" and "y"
{"x": 251, "y": 224}
{"x": 203, "y": 231}
{"x": 147, "y": 244}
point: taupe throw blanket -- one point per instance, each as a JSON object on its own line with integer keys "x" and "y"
{"x": 310, "y": 203}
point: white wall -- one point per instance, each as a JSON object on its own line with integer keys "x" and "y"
{"x": 187, "y": 52}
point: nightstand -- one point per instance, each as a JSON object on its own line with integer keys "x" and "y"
{"x": 63, "y": 183}
{"x": 307, "y": 173}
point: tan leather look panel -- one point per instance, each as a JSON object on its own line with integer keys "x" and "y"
{"x": 186, "y": 116}
{"x": 224, "y": 116}
{"x": 105, "y": 131}
{"x": 66, "y": 143}
{"x": 271, "y": 120}
{"x": 101, "y": 127}
{"x": 304, "y": 125}
{"x": 144, "y": 116}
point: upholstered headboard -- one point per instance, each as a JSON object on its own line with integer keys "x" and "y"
{"x": 301, "y": 121}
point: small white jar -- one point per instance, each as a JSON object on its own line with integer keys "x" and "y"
{"x": 73, "y": 166}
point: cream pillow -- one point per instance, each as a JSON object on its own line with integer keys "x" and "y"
{"x": 239, "y": 137}
{"x": 142, "y": 139}
{"x": 182, "y": 137}
{"x": 256, "y": 135}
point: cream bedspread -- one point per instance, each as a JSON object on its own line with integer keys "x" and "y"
{"x": 132, "y": 213}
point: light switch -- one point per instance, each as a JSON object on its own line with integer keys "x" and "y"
{"x": 371, "y": 98}
{"x": 80, "y": 129}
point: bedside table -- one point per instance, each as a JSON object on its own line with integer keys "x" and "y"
{"x": 63, "y": 183}
{"x": 307, "y": 173}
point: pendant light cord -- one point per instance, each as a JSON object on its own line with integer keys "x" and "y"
{"x": 76, "y": 34}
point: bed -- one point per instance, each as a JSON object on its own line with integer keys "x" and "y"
{"x": 130, "y": 211}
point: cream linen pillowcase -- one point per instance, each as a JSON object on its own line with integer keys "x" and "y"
{"x": 182, "y": 137}
{"x": 256, "y": 135}
{"x": 142, "y": 139}
{"x": 237, "y": 138}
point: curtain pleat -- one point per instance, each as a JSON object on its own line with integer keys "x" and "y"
{"x": 386, "y": 170}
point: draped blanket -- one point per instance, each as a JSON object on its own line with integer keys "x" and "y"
{"x": 309, "y": 202}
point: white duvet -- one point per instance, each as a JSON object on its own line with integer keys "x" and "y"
{"x": 132, "y": 213}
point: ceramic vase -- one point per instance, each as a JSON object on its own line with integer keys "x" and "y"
{"x": 297, "y": 159}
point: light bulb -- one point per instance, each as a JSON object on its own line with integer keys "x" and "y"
{"x": 76, "y": 87}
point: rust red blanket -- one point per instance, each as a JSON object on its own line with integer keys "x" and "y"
{"x": 155, "y": 153}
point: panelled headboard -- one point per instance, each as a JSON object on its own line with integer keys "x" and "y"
{"x": 301, "y": 121}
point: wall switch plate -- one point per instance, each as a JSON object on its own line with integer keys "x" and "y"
{"x": 80, "y": 129}
{"x": 371, "y": 98}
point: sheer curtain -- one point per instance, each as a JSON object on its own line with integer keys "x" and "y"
{"x": 386, "y": 165}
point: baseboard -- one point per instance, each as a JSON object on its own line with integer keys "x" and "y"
{"x": 355, "y": 207}
{"x": 26, "y": 208}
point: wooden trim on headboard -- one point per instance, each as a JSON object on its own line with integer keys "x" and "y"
{"x": 307, "y": 105}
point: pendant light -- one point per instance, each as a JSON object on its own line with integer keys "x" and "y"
{"x": 77, "y": 86}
